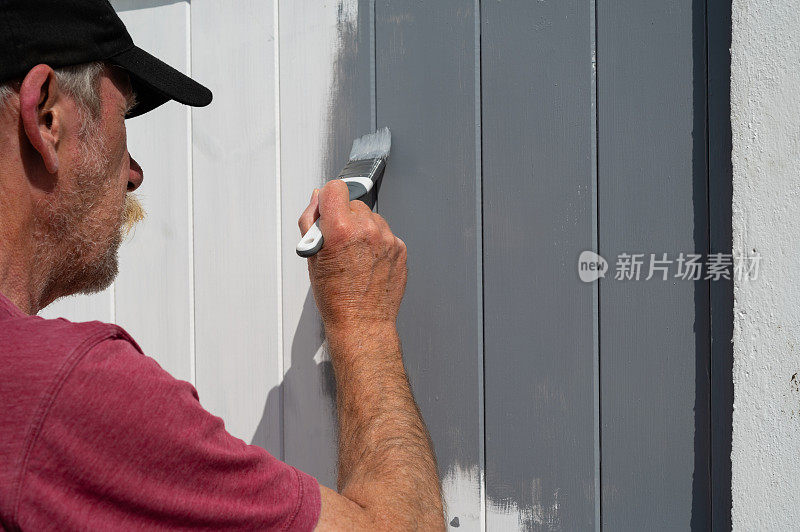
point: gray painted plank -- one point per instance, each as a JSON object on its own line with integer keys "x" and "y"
{"x": 538, "y": 217}
{"x": 425, "y": 72}
{"x": 654, "y": 350}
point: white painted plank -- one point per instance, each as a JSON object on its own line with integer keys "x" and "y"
{"x": 237, "y": 282}
{"x": 83, "y": 307}
{"x": 154, "y": 284}
{"x": 324, "y": 104}
{"x": 139, "y": 19}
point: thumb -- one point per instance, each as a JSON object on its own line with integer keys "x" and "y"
{"x": 334, "y": 200}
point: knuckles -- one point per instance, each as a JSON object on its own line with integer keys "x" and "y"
{"x": 389, "y": 240}
{"x": 341, "y": 227}
{"x": 359, "y": 206}
{"x": 364, "y": 229}
{"x": 373, "y": 234}
{"x": 401, "y": 249}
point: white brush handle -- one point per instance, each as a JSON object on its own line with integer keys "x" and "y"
{"x": 312, "y": 241}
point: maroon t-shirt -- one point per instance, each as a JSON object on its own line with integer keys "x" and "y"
{"x": 95, "y": 435}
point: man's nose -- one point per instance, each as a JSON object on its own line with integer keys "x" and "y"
{"x": 136, "y": 176}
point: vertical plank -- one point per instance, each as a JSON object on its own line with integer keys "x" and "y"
{"x": 153, "y": 287}
{"x": 426, "y": 94}
{"x": 83, "y": 307}
{"x": 324, "y": 105}
{"x": 654, "y": 335}
{"x": 144, "y": 318}
{"x": 538, "y": 209}
{"x": 236, "y": 239}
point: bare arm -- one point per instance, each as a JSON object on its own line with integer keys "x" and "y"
{"x": 387, "y": 470}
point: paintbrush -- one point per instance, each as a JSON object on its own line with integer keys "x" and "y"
{"x": 362, "y": 173}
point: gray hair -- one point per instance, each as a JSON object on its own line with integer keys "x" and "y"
{"x": 82, "y": 82}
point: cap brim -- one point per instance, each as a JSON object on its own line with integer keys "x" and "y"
{"x": 155, "y": 82}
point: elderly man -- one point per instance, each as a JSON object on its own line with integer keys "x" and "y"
{"x": 95, "y": 435}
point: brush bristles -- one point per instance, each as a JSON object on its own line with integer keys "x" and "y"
{"x": 372, "y": 146}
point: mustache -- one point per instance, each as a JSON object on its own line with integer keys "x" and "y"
{"x": 133, "y": 212}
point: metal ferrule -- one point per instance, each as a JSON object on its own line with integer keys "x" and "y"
{"x": 371, "y": 168}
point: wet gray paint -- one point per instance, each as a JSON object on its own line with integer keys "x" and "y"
{"x": 538, "y": 214}
{"x": 425, "y": 74}
{"x": 654, "y": 335}
{"x": 538, "y": 192}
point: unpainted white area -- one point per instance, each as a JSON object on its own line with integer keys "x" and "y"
{"x": 462, "y": 492}
{"x": 765, "y": 119}
{"x": 152, "y": 293}
{"x": 235, "y": 243}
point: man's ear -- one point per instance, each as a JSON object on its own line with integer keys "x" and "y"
{"x": 38, "y": 96}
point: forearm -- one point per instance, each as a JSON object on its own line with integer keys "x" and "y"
{"x": 387, "y": 469}
{"x": 386, "y": 462}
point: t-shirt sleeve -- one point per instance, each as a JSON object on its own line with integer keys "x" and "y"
{"x": 124, "y": 445}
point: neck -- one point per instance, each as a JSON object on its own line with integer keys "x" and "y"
{"x": 27, "y": 262}
{"x": 23, "y": 279}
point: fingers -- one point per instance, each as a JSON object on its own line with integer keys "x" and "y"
{"x": 359, "y": 207}
{"x": 341, "y": 218}
{"x": 394, "y": 242}
{"x": 310, "y": 214}
{"x": 382, "y": 224}
{"x": 400, "y": 246}
{"x": 334, "y": 200}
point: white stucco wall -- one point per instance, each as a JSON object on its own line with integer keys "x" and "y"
{"x": 765, "y": 115}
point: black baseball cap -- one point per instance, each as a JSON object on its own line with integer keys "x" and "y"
{"x": 61, "y": 33}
